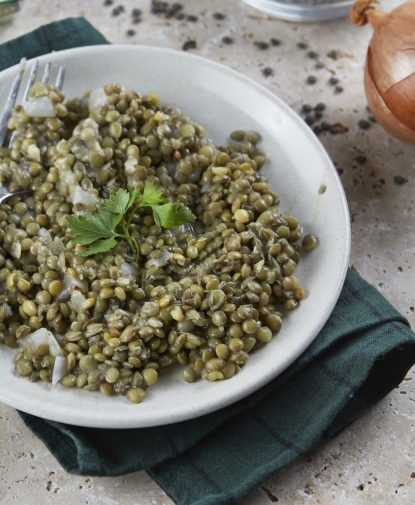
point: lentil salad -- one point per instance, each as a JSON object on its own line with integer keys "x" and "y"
{"x": 203, "y": 295}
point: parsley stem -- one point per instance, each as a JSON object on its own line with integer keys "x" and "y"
{"x": 121, "y": 235}
{"x": 131, "y": 213}
{"x": 130, "y": 241}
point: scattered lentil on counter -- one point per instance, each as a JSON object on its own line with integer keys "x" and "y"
{"x": 189, "y": 44}
{"x": 267, "y": 71}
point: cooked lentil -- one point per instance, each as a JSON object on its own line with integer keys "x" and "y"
{"x": 309, "y": 242}
{"x": 203, "y": 295}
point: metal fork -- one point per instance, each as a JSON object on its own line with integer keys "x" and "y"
{"x": 11, "y": 100}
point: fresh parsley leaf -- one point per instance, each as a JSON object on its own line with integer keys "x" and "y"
{"x": 135, "y": 195}
{"x": 87, "y": 229}
{"x": 118, "y": 203}
{"x": 172, "y": 214}
{"x": 121, "y": 201}
{"x": 152, "y": 195}
{"x": 100, "y": 246}
{"x": 101, "y": 230}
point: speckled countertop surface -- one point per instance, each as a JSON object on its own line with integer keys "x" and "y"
{"x": 371, "y": 462}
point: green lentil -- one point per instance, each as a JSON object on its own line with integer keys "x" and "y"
{"x": 136, "y": 395}
{"x": 309, "y": 242}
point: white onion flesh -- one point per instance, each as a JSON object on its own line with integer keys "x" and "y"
{"x": 43, "y": 336}
{"x": 97, "y": 98}
{"x": 41, "y": 106}
{"x": 60, "y": 369}
{"x": 83, "y": 197}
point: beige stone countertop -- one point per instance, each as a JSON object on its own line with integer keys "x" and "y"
{"x": 371, "y": 462}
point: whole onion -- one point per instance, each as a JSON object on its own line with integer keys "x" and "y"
{"x": 389, "y": 75}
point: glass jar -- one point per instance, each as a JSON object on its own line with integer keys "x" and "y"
{"x": 303, "y": 10}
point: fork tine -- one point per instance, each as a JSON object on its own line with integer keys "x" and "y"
{"x": 46, "y": 73}
{"x": 11, "y": 100}
{"x": 60, "y": 77}
{"x": 32, "y": 78}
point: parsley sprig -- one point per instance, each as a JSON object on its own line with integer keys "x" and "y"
{"x": 111, "y": 222}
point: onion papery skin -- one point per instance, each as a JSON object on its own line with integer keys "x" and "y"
{"x": 382, "y": 113}
{"x": 389, "y": 75}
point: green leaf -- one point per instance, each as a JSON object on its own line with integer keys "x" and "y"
{"x": 105, "y": 221}
{"x": 135, "y": 195}
{"x": 121, "y": 201}
{"x": 152, "y": 195}
{"x": 86, "y": 229}
{"x": 95, "y": 230}
{"x": 172, "y": 214}
{"x": 100, "y": 246}
{"x": 118, "y": 203}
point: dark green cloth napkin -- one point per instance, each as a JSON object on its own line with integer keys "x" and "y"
{"x": 363, "y": 352}
{"x": 71, "y": 32}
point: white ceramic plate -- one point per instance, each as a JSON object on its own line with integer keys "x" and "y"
{"x": 297, "y": 167}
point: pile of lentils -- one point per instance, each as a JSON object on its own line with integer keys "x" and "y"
{"x": 202, "y": 295}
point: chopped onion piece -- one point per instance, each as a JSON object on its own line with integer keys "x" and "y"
{"x": 205, "y": 187}
{"x": 45, "y": 236}
{"x": 97, "y": 98}
{"x": 82, "y": 196}
{"x": 69, "y": 177}
{"x": 7, "y": 310}
{"x": 159, "y": 261}
{"x": 60, "y": 369}
{"x": 43, "y": 336}
{"x": 127, "y": 268}
{"x": 78, "y": 299}
{"x": 71, "y": 283}
{"x": 39, "y": 107}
